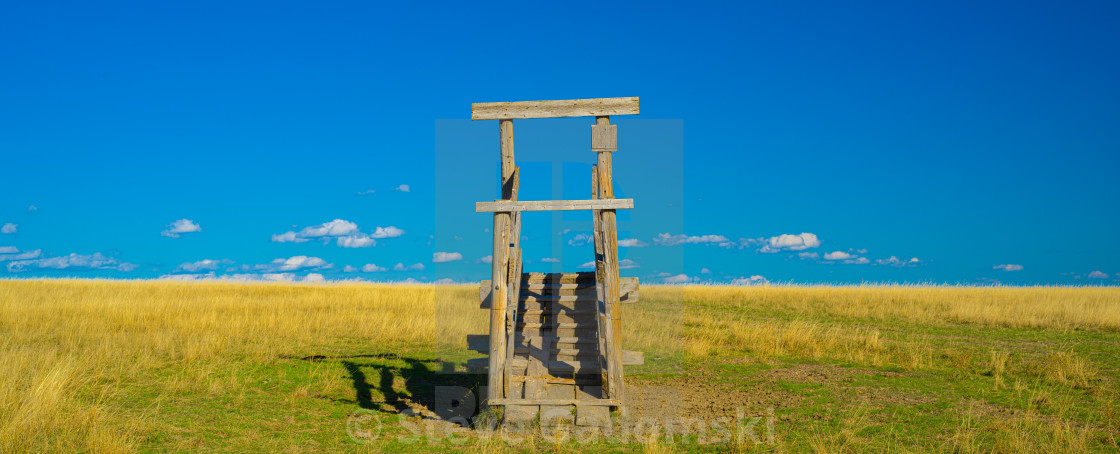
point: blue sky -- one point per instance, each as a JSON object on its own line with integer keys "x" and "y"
{"x": 792, "y": 142}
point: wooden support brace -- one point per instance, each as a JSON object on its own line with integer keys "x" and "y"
{"x": 554, "y": 109}
{"x": 553, "y": 205}
{"x": 496, "y": 384}
{"x": 604, "y": 138}
{"x": 611, "y": 301}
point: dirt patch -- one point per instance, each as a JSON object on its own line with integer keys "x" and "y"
{"x": 709, "y": 395}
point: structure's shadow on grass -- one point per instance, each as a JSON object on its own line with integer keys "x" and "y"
{"x": 423, "y": 384}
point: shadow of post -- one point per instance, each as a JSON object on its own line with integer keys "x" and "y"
{"x": 421, "y": 383}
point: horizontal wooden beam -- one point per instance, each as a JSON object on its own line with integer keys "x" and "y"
{"x": 554, "y": 205}
{"x": 603, "y": 402}
{"x": 598, "y": 107}
{"x": 628, "y": 289}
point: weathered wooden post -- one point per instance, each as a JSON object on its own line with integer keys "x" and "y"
{"x": 555, "y": 339}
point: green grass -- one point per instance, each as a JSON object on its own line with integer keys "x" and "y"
{"x": 929, "y": 386}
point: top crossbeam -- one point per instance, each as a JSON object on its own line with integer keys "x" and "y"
{"x": 597, "y": 107}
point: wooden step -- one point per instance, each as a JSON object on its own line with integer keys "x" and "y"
{"x": 630, "y": 357}
{"x": 554, "y": 367}
{"x": 628, "y": 289}
{"x": 572, "y": 312}
{"x": 481, "y": 342}
{"x": 540, "y": 304}
{"x": 585, "y": 317}
{"x": 523, "y": 326}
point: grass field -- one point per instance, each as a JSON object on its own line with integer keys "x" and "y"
{"x": 111, "y": 366}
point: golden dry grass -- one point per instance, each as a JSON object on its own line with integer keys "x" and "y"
{"x": 1061, "y": 308}
{"x": 68, "y": 347}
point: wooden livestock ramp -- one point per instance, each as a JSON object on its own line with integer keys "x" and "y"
{"x": 554, "y": 344}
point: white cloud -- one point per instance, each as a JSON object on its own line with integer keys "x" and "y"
{"x": 753, "y": 280}
{"x": 705, "y": 271}
{"x": 288, "y": 237}
{"x": 838, "y": 255}
{"x": 181, "y": 226}
{"x": 9, "y": 228}
{"x": 337, "y": 227}
{"x": 372, "y": 268}
{"x": 487, "y": 259}
{"x": 299, "y": 262}
{"x": 349, "y": 269}
{"x": 246, "y": 277}
{"x": 895, "y": 261}
{"x": 665, "y": 239}
{"x": 1008, "y": 267}
{"x": 95, "y": 261}
{"x": 786, "y": 242}
{"x": 624, "y": 264}
{"x": 550, "y": 260}
{"x": 401, "y": 188}
{"x": 441, "y": 257}
{"x": 32, "y": 208}
{"x": 371, "y": 191}
{"x": 808, "y": 255}
{"x": 14, "y": 254}
{"x": 445, "y": 281}
{"x": 345, "y": 233}
{"x": 413, "y": 267}
{"x": 194, "y": 267}
{"x": 387, "y": 232}
{"x": 1098, "y": 275}
{"x": 857, "y": 261}
{"x": 680, "y": 279}
{"x": 631, "y": 242}
{"x": 580, "y": 239}
{"x": 356, "y": 241}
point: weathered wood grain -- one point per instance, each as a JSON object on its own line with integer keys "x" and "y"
{"x": 496, "y": 383}
{"x": 567, "y": 292}
{"x": 554, "y": 109}
{"x": 608, "y": 223}
{"x": 553, "y": 205}
{"x": 604, "y": 138}
{"x": 603, "y": 319}
{"x": 600, "y": 402}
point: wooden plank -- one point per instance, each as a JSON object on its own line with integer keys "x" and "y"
{"x": 629, "y": 357}
{"x": 513, "y": 278}
{"x": 511, "y": 311}
{"x": 603, "y": 318}
{"x": 633, "y": 358}
{"x": 517, "y": 413}
{"x": 571, "y": 290}
{"x": 601, "y": 402}
{"x": 553, "y": 205}
{"x": 604, "y": 137}
{"x": 481, "y": 342}
{"x": 505, "y": 132}
{"x": 593, "y": 415}
{"x": 555, "y": 367}
{"x": 496, "y": 383}
{"x": 554, "y": 109}
{"x": 562, "y": 302}
{"x": 613, "y": 330}
{"x": 559, "y": 278}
